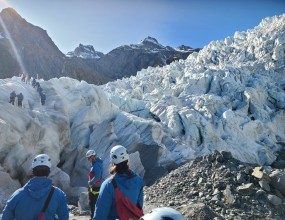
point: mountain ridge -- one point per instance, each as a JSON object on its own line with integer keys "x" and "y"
{"x": 37, "y": 54}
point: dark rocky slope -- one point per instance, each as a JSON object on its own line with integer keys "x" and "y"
{"x": 35, "y": 48}
{"x": 220, "y": 186}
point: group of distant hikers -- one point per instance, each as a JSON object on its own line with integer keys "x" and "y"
{"x": 26, "y": 78}
{"x": 118, "y": 197}
{"x": 37, "y": 85}
{"x": 19, "y": 97}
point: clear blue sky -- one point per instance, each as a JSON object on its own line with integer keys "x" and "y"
{"x": 107, "y": 24}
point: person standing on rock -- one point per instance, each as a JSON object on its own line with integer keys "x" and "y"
{"x": 28, "y": 201}
{"x": 95, "y": 178}
{"x": 129, "y": 183}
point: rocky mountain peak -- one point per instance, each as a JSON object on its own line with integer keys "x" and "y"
{"x": 10, "y": 12}
{"x": 11, "y": 18}
{"x": 39, "y": 54}
{"x": 85, "y": 52}
{"x": 184, "y": 48}
{"x": 150, "y": 42}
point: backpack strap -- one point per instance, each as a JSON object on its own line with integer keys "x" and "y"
{"x": 48, "y": 199}
{"x": 114, "y": 182}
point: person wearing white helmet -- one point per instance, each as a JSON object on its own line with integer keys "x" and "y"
{"x": 129, "y": 183}
{"x": 95, "y": 178}
{"x": 163, "y": 213}
{"x": 28, "y": 201}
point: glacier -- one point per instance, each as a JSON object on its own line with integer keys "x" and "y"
{"x": 227, "y": 97}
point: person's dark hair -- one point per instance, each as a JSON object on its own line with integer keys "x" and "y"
{"x": 41, "y": 171}
{"x": 121, "y": 168}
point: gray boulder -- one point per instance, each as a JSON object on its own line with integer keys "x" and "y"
{"x": 277, "y": 180}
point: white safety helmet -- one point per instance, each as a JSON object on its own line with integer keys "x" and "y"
{"x": 163, "y": 213}
{"x": 41, "y": 160}
{"x": 119, "y": 154}
{"x": 90, "y": 153}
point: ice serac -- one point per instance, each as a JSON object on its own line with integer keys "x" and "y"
{"x": 229, "y": 96}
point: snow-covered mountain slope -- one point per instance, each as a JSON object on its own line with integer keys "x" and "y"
{"x": 229, "y": 96}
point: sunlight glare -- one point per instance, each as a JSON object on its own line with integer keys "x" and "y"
{"x": 8, "y": 36}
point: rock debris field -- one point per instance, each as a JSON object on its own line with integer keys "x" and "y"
{"x": 218, "y": 186}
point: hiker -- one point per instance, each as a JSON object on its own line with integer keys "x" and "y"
{"x": 12, "y": 97}
{"x": 39, "y": 89}
{"x": 125, "y": 181}
{"x": 163, "y": 213}
{"x": 23, "y": 77}
{"x": 38, "y": 84}
{"x": 34, "y": 82}
{"x": 43, "y": 98}
{"x": 20, "y": 99}
{"x": 28, "y": 78}
{"x": 95, "y": 178}
{"x": 28, "y": 202}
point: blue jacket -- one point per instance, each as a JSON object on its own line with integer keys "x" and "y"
{"x": 20, "y": 97}
{"x": 13, "y": 94}
{"x": 28, "y": 201}
{"x": 131, "y": 187}
{"x": 95, "y": 174}
{"x": 39, "y": 89}
{"x": 43, "y": 96}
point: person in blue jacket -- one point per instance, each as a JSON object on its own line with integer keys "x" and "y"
{"x": 39, "y": 89}
{"x": 13, "y": 96}
{"x": 34, "y": 82}
{"x": 28, "y": 201}
{"x": 38, "y": 85}
{"x": 95, "y": 178}
{"x": 43, "y": 98}
{"x": 20, "y": 99}
{"x": 129, "y": 183}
